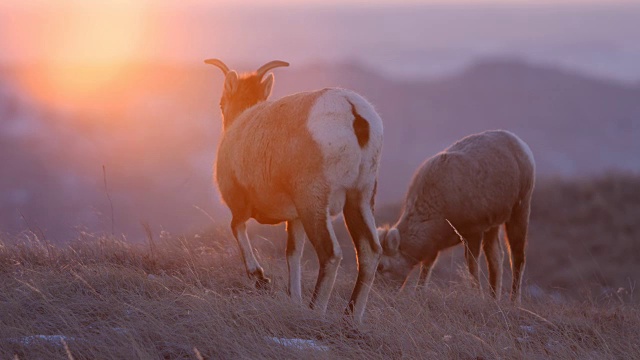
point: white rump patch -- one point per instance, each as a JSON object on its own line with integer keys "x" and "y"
{"x": 331, "y": 126}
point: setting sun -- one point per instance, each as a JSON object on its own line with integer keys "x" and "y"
{"x": 81, "y": 48}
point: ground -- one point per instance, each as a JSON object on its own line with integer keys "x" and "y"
{"x": 188, "y": 296}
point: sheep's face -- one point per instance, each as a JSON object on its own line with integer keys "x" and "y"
{"x": 393, "y": 266}
{"x": 242, "y": 92}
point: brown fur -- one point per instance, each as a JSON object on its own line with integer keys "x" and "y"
{"x": 249, "y": 92}
{"x": 277, "y": 161}
{"x": 273, "y": 167}
{"x": 467, "y": 191}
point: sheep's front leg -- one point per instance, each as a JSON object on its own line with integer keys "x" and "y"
{"x": 254, "y": 270}
{"x": 295, "y": 245}
{"x": 425, "y": 269}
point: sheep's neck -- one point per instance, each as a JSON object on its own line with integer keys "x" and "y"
{"x": 408, "y": 245}
{"x": 229, "y": 118}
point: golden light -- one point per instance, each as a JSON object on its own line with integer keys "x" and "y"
{"x": 83, "y": 49}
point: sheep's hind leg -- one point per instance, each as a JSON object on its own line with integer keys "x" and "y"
{"x": 516, "y": 229}
{"x": 317, "y": 226}
{"x": 295, "y": 245}
{"x": 494, "y": 255}
{"x": 254, "y": 270}
{"x": 358, "y": 216}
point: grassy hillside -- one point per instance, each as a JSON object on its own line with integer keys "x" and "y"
{"x": 585, "y": 236}
{"x": 178, "y": 297}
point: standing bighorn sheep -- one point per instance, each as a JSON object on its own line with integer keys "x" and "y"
{"x": 465, "y": 193}
{"x": 301, "y": 159}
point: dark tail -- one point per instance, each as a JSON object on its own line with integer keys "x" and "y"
{"x": 360, "y": 127}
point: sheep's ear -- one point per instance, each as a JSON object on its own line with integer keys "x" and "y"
{"x": 392, "y": 241}
{"x": 231, "y": 82}
{"x": 267, "y": 85}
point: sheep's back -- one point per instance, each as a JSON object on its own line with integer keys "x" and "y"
{"x": 275, "y": 149}
{"x": 476, "y": 182}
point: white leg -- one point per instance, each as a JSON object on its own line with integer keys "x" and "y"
{"x": 295, "y": 245}
{"x": 254, "y": 270}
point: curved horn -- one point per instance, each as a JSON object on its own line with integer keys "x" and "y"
{"x": 218, "y": 63}
{"x": 270, "y": 65}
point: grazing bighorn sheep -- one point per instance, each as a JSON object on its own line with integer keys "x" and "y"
{"x": 465, "y": 193}
{"x": 301, "y": 159}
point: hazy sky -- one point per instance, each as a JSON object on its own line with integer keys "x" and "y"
{"x": 597, "y": 36}
{"x": 37, "y": 3}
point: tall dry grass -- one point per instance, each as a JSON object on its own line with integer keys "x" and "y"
{"x": 178, "y": 297}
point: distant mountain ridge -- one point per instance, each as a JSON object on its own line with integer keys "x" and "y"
{"x": 575, "y": 124}
{"x": 159, "y": 162}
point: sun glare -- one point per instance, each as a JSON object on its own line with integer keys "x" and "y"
{"x": 84, "y": 48}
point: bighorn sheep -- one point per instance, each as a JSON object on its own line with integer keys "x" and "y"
{"x": 301, "y": 159}
{"x": 465, "y": 193}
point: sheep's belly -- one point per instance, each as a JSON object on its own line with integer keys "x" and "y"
{"x": 274, "y": 210}
{"x": 277, "y": 209}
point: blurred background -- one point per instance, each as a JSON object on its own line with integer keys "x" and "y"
{"x": 110, "y": 119}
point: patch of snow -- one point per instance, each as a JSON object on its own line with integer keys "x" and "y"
{"x": 33, "y": 339}
{"x": 300, "y": 344}
{"x": 557, "y": 297}
{"x": 528, "y": 329}
{"x": 535, "y": 292}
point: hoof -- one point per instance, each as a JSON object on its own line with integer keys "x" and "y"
{"x": 263, "y": 283}
{"x": 350, "y": 328}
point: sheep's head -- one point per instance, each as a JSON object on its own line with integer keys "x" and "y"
{"x": 242, "y": 91}
{"x": 393, "y": 266}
